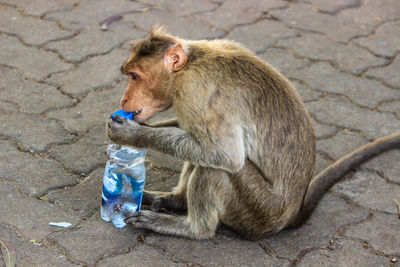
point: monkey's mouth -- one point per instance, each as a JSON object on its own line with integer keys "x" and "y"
{"x": 136, "y": 112}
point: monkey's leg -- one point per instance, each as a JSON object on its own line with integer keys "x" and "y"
{"x": 207, "y": 192}
{"x": 175, "y": 200}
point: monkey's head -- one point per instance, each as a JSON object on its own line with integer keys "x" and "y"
{"x": 149, "y": 68}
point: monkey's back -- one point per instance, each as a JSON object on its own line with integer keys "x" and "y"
{"x": 279, "y": 142}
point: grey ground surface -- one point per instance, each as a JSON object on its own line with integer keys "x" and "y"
{"x": 60, "y": 78}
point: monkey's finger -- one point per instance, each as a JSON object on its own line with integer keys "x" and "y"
{"x": 134, "y": 220}
{"x": 157, "y": 204}
{"x": 130, "y": 220}
{"x": 131, "y": 215}
{"x": 136, "y": 217}
{"x": 141, "y": 225}
{"x": 117, "y": 118}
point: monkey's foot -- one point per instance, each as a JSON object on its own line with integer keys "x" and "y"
{"x": 142, "y": 219}
{"x": 162, "y": 200}
{"x": 159, "y": 222}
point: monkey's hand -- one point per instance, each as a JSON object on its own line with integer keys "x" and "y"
{"x": 121, "y": 130}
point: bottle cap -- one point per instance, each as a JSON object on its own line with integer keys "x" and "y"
{"x": 124, "y": 114}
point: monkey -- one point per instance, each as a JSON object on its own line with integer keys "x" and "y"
{"x": 246, "y": 138}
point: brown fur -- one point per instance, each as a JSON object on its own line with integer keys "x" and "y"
{"x": 245, "y": 134}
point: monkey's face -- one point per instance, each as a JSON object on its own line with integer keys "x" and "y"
{"x": 147, "y": 91}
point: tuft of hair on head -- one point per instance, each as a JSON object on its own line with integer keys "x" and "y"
{"x": 156, "y": 43}
{"x": 159, "y": 31}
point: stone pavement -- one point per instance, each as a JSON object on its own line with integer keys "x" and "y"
{"x": 60, "y": 78}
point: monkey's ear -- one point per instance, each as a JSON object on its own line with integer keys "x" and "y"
{"x": 175, "y": 58}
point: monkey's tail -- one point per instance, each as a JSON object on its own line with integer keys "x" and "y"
{"x": 333, "y": 173}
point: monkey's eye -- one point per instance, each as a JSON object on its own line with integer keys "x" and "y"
{"x": 134, "y": 75}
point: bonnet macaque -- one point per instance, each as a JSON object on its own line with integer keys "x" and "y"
{"x": 244, "y": 133}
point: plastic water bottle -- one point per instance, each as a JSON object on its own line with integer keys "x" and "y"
{"x": 123, "y": 181}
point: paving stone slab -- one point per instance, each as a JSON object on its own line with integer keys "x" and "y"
{"x": 95, "y": 240}
{"x": 141, "y": 255}
{"x": 218, "y": 251}
{"x": 86, "y": 154}
{"x": 30, "y": 216}
{"x": 232, "y": 12}
{"x": 391, "y": 106}
{"x": 28, "y": 254}
{"x": 385, "y": 41}
{"x": 84, "y": 199}
{"x": 260, "y": 35}
{"x": 93, "y": 41}
{"x": 382, "y": 232}
{"x": 33, "y": 62}
{"x": 34, "y": 133}
{"x": 306, "y": 93}
{"x": 8, "y": 106}
{"x": 31, "y": 97}
{"x": 321, "y": 162}
{"x": 34, "y": 175}
{"x": 374, "y": 12}
{"x": 93, "y": 12}
{"x": 303, "y": 16}
{"x": 182, "y": 8}
{"x": 323, "y": 131}
{"x": 95, "y": 73}
{"x": 92, "y": 110}
{"x": 348, "y": 57}
{"x": 39, "y": 8}
{"x": 387, "y": 164}
{"x": 343, "y": 253}
{"x": 32, "y": 30}
{"x": 365, "y": 92}
{"x": 341, "y": 144}
{"x": 364, "y": 188}
{"x": 332, "y": 7}
{"x": 340, "y": 112}
{"x": 389, "y": 74}
{"x": 283, "y": 61}
{"x": 331, "y": 213}
{"x": 182, "y": 27}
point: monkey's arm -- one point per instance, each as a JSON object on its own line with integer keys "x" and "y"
{"x": 227, "y": 153}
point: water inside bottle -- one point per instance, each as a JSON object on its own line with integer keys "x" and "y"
{"x": 123, "y": 183}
